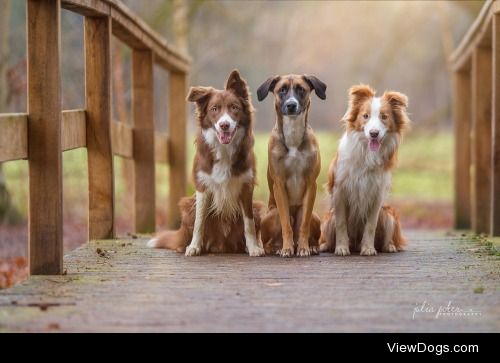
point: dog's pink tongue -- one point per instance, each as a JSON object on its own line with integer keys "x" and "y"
{"x": 374, "y": 144}
{"x": 225, "y": 137}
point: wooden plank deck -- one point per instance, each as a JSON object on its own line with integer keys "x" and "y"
{"x": 131, "y": 288}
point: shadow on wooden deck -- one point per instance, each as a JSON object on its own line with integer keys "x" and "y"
{"x": 128, "y": 287}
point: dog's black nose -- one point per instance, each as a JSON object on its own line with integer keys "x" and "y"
{"x": 224, "y": 126}
{"x": 291, "y": 107}
{"x": 374, "y": 133}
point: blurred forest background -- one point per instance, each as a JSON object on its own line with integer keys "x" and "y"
{"x": 401, "y": 45}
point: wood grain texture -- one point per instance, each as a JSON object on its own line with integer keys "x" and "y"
{"x": 144, "y": 140}
{"x": 132, "y": 288}
{"x": 481, "y": 28}
{"x": 177, "y": 152}
{"x": 44, "y": 137}
{"x": 87, "y": 7}
{"x": 161, "y": 148}
{"x": 74, "y": 129}
{"x": 122, "y": 139}
{"x": 481, "y": 139}
{"x": 133, "y": 31}
{"x": 13, "y": 136}
{"x": 462, "y": 117}
{"x": 495, "y": 190}
{"x": 98, "y": 105}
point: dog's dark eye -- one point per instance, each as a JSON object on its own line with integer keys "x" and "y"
{"x": 365, "y": 116}
{"x": 384, "y": 117}
{"x": 235, "y": 108}
{"x": 213, "y": 108}
{"x": 283, "y": 90}
{"x": 300, "y": 90}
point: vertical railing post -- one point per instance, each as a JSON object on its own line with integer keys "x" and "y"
{"x": 177, "y": 144}
{"x": 495, "y": 190}
{"x": 44, "y": 137}
{"x": 481, "y": 139}
{"x": 144, "y": 163}
{"x": 462, "y": 118}
{"x": 97, "y": 32}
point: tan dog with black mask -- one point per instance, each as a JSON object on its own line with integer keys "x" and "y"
{"x": 293, "y": 167}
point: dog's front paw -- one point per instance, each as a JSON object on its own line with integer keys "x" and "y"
{"x": 256, "y": 251}
{"x": 193, "y": 251}
{"x": 304, "y": 251}
{"x": 390, "y": 248}
{"x": 342, "y": 251}
{"x": 286, "y": 252}
{"x": 314, "y": 250}
{"x": 368, "y": 251}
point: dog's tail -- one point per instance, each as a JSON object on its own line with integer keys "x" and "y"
{"x": 172, "y": 240}
{"x": 397, "y": 236}
{"x": 179, "y": 239}
{"x": 327, "y": 237}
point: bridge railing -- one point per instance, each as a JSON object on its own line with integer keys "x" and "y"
{"x": 45, "y": 131}
{"x": 476, "y": 111}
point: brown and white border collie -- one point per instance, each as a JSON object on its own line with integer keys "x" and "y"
{"x": 359, "y": 176}
{"x": 293, "y": 167}
{"x": 221, "y": 217}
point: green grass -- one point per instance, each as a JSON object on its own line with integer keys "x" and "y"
{"x": 424, "y": 172}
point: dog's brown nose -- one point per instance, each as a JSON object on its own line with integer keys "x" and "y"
{"x": 374, "y": 133}
{"x": 224, "y": 126}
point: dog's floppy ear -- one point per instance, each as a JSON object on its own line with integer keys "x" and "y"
{"x": 399, "y": 104}
{"x": 315, "y": 84}
{"x": 396, "y": 99}
{"x": 266, "y": 87}
{"x": 360, "y": 92}
{"x": 237, "y": 84}
{"x": 357, "y": 94}
{"x": 199, "y": 94}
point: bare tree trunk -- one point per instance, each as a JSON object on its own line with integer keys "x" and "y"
{"x": 8, "y": 213}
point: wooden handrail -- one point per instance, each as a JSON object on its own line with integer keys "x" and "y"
{"x": 42, "y": 134}
{"x": 477, "y": 34}
{"x": 14, "y": 137}
{"x": 133, "y": 31}
{"x": 476, "y": 112}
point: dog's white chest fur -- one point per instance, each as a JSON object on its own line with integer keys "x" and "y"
{"x": 295, "y": 160}
{"x": 223, "y": 188}
{"x": 360, "y": 177}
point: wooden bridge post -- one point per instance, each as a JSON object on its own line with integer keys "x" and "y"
{"x": 481, "y": 139}
{"x": 462, "y": 117}
{"x": 177, "y": 153}
{"x": 144, "y": 147}
{"x": 97, "y": 32}
{"x": 495, "y": 191}
{"x": 44, "y": 137}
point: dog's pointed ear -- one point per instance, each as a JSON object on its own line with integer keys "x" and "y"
{"x": 315, "y": 84}
{"x": 199, "y": 94}
{"x": 266, "y": 87}
{"x": 237, "y": 85}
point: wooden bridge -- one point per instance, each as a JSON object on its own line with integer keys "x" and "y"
{"x": 119, "y": 285}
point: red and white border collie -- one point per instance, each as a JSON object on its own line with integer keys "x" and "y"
{"x": 359, "y": 177}
{"x": 221, "y": 217}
